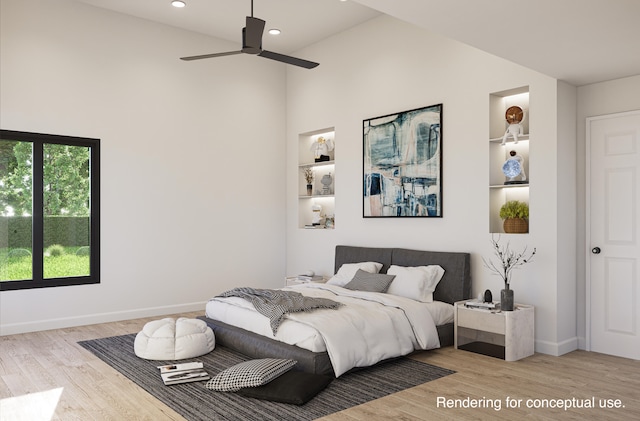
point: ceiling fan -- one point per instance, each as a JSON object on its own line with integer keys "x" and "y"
{"x": 252, "y": 44}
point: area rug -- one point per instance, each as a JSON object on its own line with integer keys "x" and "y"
{"x": 194, "y": 402}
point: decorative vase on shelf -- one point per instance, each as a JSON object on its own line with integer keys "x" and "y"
{"x": 506, "y": 299}
{"x": 516, "y": 226}
{"x": 309, "y": 189}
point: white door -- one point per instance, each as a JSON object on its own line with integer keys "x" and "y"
{"x": 613, "y": 231}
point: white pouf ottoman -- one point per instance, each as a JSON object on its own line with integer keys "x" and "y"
{"x": 170, "y": 339}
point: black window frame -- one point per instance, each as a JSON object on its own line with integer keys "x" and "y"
{"x": 37, "y": 280}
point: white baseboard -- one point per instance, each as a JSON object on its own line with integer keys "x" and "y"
{"x": 582, "y": 343}
{"x": 90, "y": 319}
{"x": 557, "y": 348}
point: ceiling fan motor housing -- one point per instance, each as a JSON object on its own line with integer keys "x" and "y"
{"x": 249, "y": 49}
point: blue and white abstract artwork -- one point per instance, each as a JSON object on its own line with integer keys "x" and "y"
{"x": 403, "y": 164}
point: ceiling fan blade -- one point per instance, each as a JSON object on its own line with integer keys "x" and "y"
{"x": 252, "y": 35}
{"x": 229, "y": 53}
{"x": 288, "y": 59}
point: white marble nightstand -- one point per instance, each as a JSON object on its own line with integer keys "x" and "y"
{"x": 294, "y": 280}
{"x": 502, "y": 334}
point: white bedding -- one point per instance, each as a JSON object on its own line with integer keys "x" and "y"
{"x": 370, "y": 327}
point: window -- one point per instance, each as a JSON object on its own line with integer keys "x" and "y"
{"x": 49, "y": 210}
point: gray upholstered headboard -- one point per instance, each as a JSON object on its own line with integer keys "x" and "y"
{"x": 455, "y": 284}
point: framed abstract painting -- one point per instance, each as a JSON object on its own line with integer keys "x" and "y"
{"x": 402, "y": 164}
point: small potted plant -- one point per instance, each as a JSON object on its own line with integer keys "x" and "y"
{"x": 308, "y": 176}
{"x": 516, "y": 217}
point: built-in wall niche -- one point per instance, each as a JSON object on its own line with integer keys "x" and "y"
{"x": 316, "y": 197}
{"x": 501, "y": 187}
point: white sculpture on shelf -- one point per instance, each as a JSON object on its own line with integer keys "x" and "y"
{"x": 326, "y": 183}
{"x": 514, "y": 167}
{"x": 316, "y": 218}
{"x": 514, "y": 130}
{"x": 514, "y": 116}
{"x": 321, "y": 148}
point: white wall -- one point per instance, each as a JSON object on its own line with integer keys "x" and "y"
{"x": 385, "y": 66}
{"x": 192, "y": 157}
{"x": 567, "y": 339}
{"x": 610, "y": 97}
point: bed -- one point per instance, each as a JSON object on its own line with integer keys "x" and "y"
{"x": 455, "y": 285}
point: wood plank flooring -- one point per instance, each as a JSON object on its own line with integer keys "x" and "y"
{"x": 91, "y": 390}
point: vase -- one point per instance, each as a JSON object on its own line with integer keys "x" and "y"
{"x": 309, "y": 189}
{"x": 516, "y": 226}
{"x": 506, "y": 299}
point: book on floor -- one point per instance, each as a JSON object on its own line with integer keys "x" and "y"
{"x": 183, "y": 373}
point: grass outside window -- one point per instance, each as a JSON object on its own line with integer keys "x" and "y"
{"x": 15, "y": 264}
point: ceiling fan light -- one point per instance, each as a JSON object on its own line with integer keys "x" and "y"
{"x": 178, "y": 3}
{"x": 274, "y": 31}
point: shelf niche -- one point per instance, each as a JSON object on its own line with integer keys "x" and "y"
{"x": 319, "y": 194}
{"x": 499, "y": 192}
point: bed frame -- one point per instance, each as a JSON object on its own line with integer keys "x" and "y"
{"x": 454, "y": 286}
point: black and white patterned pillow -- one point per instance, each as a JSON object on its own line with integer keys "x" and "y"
{"x": 250, "y": 373}
{"x": 372, "y": 282}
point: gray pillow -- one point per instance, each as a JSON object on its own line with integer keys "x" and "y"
{"x": 293, "y": 387}
{"x": 370, "y": 282}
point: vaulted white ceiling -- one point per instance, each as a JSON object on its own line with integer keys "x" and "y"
{"x": 578, "y": 41}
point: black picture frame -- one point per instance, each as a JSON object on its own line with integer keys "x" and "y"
{"x": 402, "y": 164}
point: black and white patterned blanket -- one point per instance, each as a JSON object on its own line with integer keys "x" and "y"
{"x": 275, "y": 304}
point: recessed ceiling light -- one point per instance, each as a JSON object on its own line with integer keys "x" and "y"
{"x": 274, "y": 31}
{"x": 178, "y": 3}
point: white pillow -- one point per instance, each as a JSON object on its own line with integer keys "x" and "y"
{"x": 417, "y": 283}
{"x": 348, "y": 270}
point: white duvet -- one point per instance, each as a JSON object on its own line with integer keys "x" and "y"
{"x": 369, "y": 328}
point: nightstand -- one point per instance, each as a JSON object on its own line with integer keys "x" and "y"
{"x": 508, "y": 335}
{"x": 295, "y": 280}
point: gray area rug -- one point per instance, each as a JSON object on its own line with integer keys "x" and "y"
{"x": 194, "y": 402}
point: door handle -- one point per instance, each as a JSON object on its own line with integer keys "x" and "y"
{"x": 596, "y": 250}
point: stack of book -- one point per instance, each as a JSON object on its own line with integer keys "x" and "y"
{"x": 314, "y": 227}
{"x": 183, "y": 373}
{"x": 480, "y": 304}
{"x": 307, "y": 278}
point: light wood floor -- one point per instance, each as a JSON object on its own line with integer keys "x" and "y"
{"x": 91, "y": 390}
